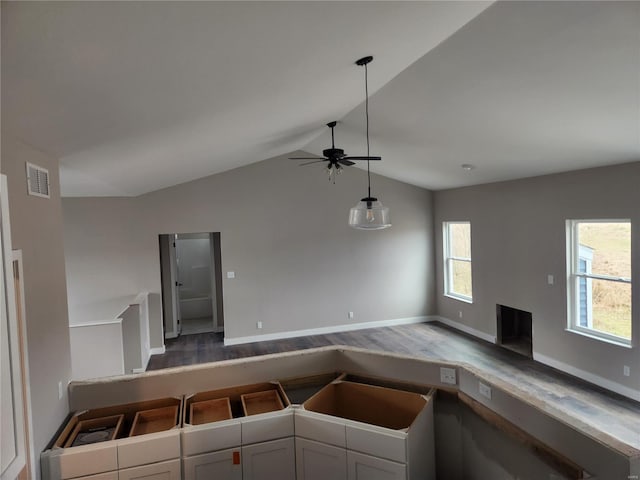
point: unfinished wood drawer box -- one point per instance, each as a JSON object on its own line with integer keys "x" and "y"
{"x": 63, "y": 460}
{"x": 154, "y": 420}
{"x": 207, "y": 411}
{"x": 261, "y": 402}
{"x": 387, "y": 424}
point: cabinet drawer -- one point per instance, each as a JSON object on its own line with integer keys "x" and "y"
{"x": 151, "y": 448}
{"x": 156, "y": 471}
{"x": 268, "y": 426}
{"x": 82, "y": 461}
{"x": 100, "y": 476}
{"x": 321, "y": 428}
{"x": 211, "y": 437}
{"x": 378, "y": 442}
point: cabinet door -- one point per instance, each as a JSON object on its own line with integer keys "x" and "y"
{"x": 222, "y": 465}
{"x": 156, "y": 471}
{"x": 366, "y": 467}
{"x": 269, "y": 460}
{"x": 100, "y": 476}
{"x": 319, "y": 461}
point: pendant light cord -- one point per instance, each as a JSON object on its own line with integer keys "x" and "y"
{"x": 366, "y": 110}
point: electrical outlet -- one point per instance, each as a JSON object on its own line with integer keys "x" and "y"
{"x": 350, "y": 315}
{"x": 460, "y": 314}
{"x": 448, "y": 375}
{"x": 485, "y": 390}
{"x": 550, "y": 279}
{"x": 60, "y": 391}
{"x": 231, "y": 274}
{"x": 626, "y": 371}
{"x": 258, "y": 324}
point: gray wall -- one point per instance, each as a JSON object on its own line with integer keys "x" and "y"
{"x": 36, "y": 229}
{"x": 284, "y": 233}
{"x": 518, "y": 238}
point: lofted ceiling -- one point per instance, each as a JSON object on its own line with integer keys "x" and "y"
{"x": 137, "y": 96}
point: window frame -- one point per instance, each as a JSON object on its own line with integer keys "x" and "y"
{"x": 573, "y": 283}
{"x": 448, "y": 260}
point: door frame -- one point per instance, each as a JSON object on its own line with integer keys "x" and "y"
{"x": 24, "y": 352}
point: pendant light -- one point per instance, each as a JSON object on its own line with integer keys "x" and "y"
{"x": 368, "y": 214}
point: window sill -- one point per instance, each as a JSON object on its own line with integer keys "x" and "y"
{"x": 595, "y": 336}
{"x": 461, "y": 299}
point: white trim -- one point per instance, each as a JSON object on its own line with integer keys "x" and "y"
{"x": 157, "y": 350}
{"x": 17, "y": 257}
{"x": 170, "y": 335}
{"x": 325, "y": 330}
{"x": 466, "y": 329}
{"x": 94, "y": 324}
{"x": 139, "y": 370}
{"x": 589, "y": 377}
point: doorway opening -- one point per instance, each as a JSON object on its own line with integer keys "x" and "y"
{"x": 191, "y": 275}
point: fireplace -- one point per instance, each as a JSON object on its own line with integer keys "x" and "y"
{"x": 515, "y": 330}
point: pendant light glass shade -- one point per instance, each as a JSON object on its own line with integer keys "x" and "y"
{"x": 369, "y": 214}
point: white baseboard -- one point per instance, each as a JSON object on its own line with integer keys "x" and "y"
{"x": 157, "y": 350}
{"x": 589, "y": 377}
{"x": 464, "y": 328}
{"x": 171, "y": 335}
{"x": 325, "y": 330}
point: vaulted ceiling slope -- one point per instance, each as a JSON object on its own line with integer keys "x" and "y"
{"x": 137, "y": 96}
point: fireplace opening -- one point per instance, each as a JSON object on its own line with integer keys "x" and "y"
{"x": 515, "y": 330}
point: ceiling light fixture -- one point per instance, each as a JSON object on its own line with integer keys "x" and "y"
{"x": 368, "y": 214}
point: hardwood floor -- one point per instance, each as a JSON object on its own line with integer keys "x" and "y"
{"x": 611, "y": 413}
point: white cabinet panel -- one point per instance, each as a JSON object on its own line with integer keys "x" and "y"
{"x": 376, "y": 441}
{"x": 216, "y": 465}
{"x": 269, "y": 460}
{"x": 100, "y": 476}
{"x": 156, "y": 471}
{"x": 319, "y": 427}
{"x": 83, "y": 461}
{"x": 211, "y": 437}
{"x": 365, "y": 467}
{"x": 319, "y": 461}
{"x": 268, "y": 426}
{"x": 151, "y": 448}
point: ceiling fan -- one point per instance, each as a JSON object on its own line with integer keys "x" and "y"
{"x": 335, "y": 157}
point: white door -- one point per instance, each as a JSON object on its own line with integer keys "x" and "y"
{"x": 269, "y": 460}
{"x": 319, "y": 461}
{"x": 156, "y": 471}
{"x": 366, "y": 467}
{"x": 221, "y": 465}
{"x": 12, "y": 425}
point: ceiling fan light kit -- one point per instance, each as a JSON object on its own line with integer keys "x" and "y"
{"x": 369, "y": 213}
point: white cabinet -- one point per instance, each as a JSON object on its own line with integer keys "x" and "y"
{"x": 222, "y": 465}
{"x": 319, "y": 461}
{"x": 269, "y": 460}
{"x": 366, "y": 467}
{"x": 100, "y": 476}
{"x": 157, "y": 471}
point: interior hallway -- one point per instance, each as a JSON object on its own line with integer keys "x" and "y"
{"x": 616, "y": 417}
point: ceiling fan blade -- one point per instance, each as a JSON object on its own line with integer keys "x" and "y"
{"x": 348, "y": 163}
{"x": 309, "y": 163}
{"x": 306, "y": 158}
{"x": 362, "y": 158}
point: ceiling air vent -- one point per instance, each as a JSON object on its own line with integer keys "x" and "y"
{"x": 37, "y": 180}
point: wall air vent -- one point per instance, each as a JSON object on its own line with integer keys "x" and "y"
{"x": 37, "y": 180}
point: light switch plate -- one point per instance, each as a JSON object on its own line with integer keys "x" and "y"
{"x": 231, "y": 274}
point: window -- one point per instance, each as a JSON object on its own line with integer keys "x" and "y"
{"x": 457, "y": 260}
{"x": 599, "y": 278}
